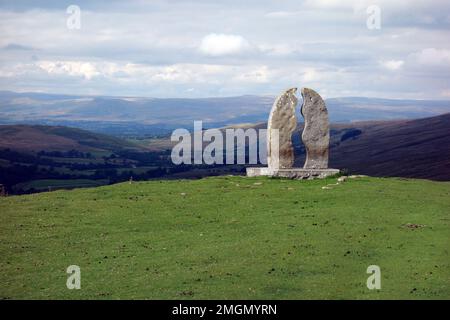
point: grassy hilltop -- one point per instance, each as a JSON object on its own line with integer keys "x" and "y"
{"x": 230, "y": 238}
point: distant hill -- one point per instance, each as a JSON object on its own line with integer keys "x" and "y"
{"x": 368, "y": 109}
{"x": 137, "y": 116}
{"x": 417, "y": 148}
{"x": 42, "y": 158}
{"x": 160, "y": 113}
{"x": 49, "y": 138}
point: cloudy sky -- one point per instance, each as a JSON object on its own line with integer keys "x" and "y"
{"x": 199, "y": 48}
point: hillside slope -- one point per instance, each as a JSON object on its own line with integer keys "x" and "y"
{"x": 58, "y": 138}
{"x": 229, "y": 238}
{"x": 36, "y": 158}
{"x": 415, "y": 148}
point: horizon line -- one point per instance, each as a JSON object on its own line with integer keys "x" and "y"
{"x": 208, "y": 97}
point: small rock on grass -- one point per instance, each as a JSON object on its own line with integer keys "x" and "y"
{"x": 357, "y": 176}
{"x": 413, "y": 226}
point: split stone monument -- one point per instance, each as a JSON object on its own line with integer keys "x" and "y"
{"x": 316, "y": 138}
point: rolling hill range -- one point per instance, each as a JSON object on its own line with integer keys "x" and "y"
{"x": 36, "y": 158}
{"x": 418, "y": 148}
{"x": 58, "y": 138}
{"x": 137, "y": 116}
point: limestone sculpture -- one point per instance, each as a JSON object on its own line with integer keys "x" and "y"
{"x": 315, "y": 136}
{"x": 280, "y": 127}
{"x": 316, "y": 133}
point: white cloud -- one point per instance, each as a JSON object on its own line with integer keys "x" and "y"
{"x": 258, "y": 75}
{"x": 162, "y": 48}
{"x": 445, "y": 93}
{"x": 223, "y": 44}
{"x": 417, "y": 10}
{"x": 281, "y": 14}
{"x": 310, "y": 74}
{"x": 331, "y": 4}
{"x": 392, "y": 64}
{"x": 129, "y": 73}
{"x": 72, "y": 68}
{"x": 432, "y": 57}
{"x": 279, "y": 49}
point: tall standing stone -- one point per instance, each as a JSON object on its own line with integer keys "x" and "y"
{"x": 316, "y": 133}
{"x": 282, "y": 124}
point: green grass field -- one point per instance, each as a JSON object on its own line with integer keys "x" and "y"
{"x": 54, "y": 184}
{"x": 229, "y": 238}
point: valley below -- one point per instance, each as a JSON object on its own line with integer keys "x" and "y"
{"x": 35, "y": 158}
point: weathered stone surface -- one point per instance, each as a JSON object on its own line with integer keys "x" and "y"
{"x": 280, "y": 152}
{"x": 316, "y": 137}
{"x": 316, "y": 133}
{"x": 292, "y": 173}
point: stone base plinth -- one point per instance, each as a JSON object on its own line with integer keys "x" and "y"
{"x": 292, "y": 173}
